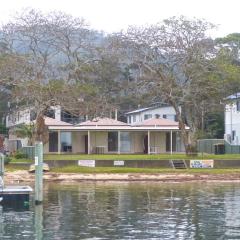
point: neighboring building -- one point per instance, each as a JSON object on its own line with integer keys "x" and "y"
{"x": 142, "y": 114}
{"x": 232, "y": 119}
{"x": 104, "y": 135}
{"x": 28, "y": 115}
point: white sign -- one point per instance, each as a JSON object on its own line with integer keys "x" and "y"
{"x": 36, "y": 161}
{"x": 86, "y": 163}
{"x": 201, "y": 163}
{"x": 118, "y": 163}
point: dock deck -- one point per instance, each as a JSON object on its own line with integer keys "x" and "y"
{"x": 14, "y": 194}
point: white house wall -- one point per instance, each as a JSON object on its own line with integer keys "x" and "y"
{"x": 232, "y": 123}
{"x": 139, "y": 117}
{"x": 18, "y": 117}
{"x": 78, "y": 142}
{"x": 158, "y": 141}
{"x": 99, "y": 139}
{"x": 137, "y": 142}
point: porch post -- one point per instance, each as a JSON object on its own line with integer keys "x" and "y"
{"x": 171, "y": 142}
{"x": 59, "y": 141}
{"x": 148, "y": 142}
{"x": 89, "y": 145}
{"x": 119, "y": 142}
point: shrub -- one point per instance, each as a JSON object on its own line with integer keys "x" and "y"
{"x": 7, "y": 160}
{"x": 19, "y": 155}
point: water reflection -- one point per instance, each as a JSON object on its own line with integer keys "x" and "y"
{"x": 129, "y": 211}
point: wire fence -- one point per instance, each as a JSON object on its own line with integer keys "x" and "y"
{"x": 212, "y": 146}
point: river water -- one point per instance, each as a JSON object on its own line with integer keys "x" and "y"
{"x": 128, "y": 211}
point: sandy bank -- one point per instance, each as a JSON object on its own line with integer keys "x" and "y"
{"x": 24, "y": 176}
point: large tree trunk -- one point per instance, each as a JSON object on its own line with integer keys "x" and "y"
{"x": 41, "y": 129}
{"x": 188, "y": 136}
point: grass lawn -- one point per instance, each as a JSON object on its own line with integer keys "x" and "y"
{"x": 21, "y": 160}
{"x": 77, "y": 169}
{"x": 138, "y": 156}
{"x": 11, "y": 168}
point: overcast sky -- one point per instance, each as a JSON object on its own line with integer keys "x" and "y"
{"x": 114, "y": 15}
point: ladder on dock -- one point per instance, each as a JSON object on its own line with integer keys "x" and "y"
{"x": 178, "y": 164}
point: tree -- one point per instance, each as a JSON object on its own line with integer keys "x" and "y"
{"x": 26, "y": 131}
{"x": 175, "y": 62}
{"x": 54, "y": 55}
{"x": 228, "y": 62}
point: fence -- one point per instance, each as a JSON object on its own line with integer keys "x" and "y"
{"x": 208, "y": 146}
{"x": 232, "y": 149}
{"x": 29, "y": 151}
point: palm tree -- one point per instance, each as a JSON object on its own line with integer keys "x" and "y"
{"x": 26, "y": 131}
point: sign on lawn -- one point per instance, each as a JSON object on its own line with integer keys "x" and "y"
{"x": 86, "y": 163}
{"x": 118, "y": 163}
{"x": 201, "y": 163}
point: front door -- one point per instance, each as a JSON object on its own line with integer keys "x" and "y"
{"x": 145, "y": 142}
{"x": 112, "y": 141}
{"x": 53, "y": 142}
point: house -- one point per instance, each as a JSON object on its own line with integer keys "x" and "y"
{"x": 142, "y": 114}
{"x": 232, "y": 119}
{"x": 105, "y": 135}
{"x": 28, "y": 115}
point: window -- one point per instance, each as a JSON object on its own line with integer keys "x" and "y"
{"x": 125, "y": 145}
{"x": 134, "y": 118}
{"x": 147, "y": 116}
{"x": 164, "y": 116}
{"x": 112, "y": 141}
{"x": 157, "y": 116}
{"x": 175, "y": 118}
{"x": 238, "y": 105}
{"x": 33, "y": 116}
{"x": 50, "y": 113}
{"x": 129, "y": 119}
{"x": 66, "y": 141}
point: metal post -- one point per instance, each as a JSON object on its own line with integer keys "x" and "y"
{"x": 38, "y": 173}
{"x": 171, "y": 142}
{"x": 149, "y": 142}
{"x": 119, "y": 142}
{"x": 89, "y": 145}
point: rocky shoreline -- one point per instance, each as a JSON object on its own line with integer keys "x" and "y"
{"x": 25, "y": 176}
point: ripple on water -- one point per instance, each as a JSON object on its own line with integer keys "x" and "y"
{"x": 129, "y": 211}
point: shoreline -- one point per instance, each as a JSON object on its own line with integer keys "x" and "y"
{"x": 25, "y": 176}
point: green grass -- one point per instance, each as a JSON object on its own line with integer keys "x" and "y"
{"x": 12, "y": 168}
{"x": 21, "y": 160}
{"x": 77, "y": 169}
{"x": 138, "y": 156}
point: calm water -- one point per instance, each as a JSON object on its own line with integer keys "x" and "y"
{"x": 129, "y": 211}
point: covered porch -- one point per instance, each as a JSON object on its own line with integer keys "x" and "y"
{"x": 109, "y": 136}
{"x": 114, "y": 142}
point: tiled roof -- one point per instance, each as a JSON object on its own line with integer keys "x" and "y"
{"x": 159, "y": 122}
{"x": 53, "y": 122}
{"x": 103, "y": 122}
